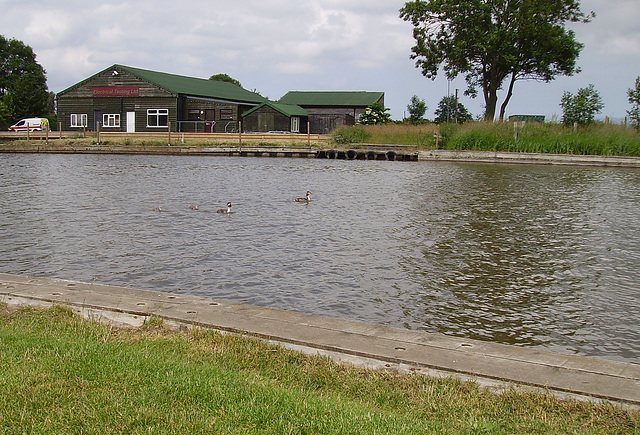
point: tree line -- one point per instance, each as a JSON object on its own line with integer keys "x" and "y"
{"x": 23, "y": 84}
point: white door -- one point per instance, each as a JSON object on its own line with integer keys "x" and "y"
{"x": 131, "y": 122}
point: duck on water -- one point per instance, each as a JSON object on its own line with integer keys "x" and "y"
{"x": 225, "y": 210}
{"x": 307, "y": 198}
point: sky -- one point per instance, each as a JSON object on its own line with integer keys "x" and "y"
{"x": 278, "y": 46}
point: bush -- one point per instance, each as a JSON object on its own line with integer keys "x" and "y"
{"x": 347, "y": 135}
{"x": 582, "y": 107}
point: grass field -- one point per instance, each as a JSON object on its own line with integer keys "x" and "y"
{"x": 597, "y": 139}
{"x": 60, "y": 374}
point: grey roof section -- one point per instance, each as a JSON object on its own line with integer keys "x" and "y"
{"x": 332, "y": 98}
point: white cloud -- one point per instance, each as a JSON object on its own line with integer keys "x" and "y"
{"x": 283, "y": 45}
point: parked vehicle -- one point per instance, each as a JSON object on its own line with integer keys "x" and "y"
{"x": 33, "y": 124}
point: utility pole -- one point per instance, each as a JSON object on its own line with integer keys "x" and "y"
{"x": 456, "y": 112}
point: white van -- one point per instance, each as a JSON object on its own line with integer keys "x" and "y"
{"x": 33, "y": 124}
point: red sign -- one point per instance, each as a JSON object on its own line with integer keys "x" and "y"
{"x": 116, "y": 91}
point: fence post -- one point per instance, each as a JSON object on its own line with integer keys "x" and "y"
{"x": 169, "y": 130}
{"x": 98, "y": 130}
{"x": 59, "y": 129}
{"x": 308, "y": 135}
{"x": 240, "y": 136}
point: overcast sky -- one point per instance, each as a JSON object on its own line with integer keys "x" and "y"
{"x": 280, "y": 45}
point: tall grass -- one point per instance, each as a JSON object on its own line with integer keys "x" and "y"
{"x": 65, "y": 375}
{"x": 597, "y": 139}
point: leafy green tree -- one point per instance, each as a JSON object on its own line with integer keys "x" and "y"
{"x": 634, "y": 100}
{"x": 225, "y": 78}
{"x": 581, "y": 107}
{"x": 23, "y": 83}
{"x": 375, "y": 114}
{"x": 5, "y": 114}
{"x": 417, "y": 108}
{"x": 493, "y": 41}
{"x": 451, "y": 110}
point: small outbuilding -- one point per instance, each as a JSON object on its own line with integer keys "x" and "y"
{"x": 123, "y": 98}
{"x": 329, "y": 110}
{"x": 275, "y": 118}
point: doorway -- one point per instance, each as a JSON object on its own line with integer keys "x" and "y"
{"x": 131, "y": 122}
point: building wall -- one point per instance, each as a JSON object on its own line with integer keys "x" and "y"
{"x": 212, "y": 117}
{"x": 115, "y": 94}
{"x": 324, "y": 121}
{"x": 268, "y": 119}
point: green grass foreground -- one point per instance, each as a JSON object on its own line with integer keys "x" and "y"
{"x": 61, "y": 374}
{"x": 597, "y": 139}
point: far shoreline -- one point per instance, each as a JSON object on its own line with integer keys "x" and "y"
{"x": 317, "y": 150}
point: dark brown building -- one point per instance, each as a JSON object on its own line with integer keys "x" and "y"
{"x": 275, "y": 117}
{"x": 329, "y": 110}
{"x": 123, "y": 98}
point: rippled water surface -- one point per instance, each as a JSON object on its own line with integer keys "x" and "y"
{"x": 528, "y": 255}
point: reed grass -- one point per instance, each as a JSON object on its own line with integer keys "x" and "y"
{"x": 62, "y": 374}
{"x": 596, "y": 139}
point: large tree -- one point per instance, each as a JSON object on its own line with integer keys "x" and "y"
{"x": 493, "y": 41}
{"x": 23, "y": 83}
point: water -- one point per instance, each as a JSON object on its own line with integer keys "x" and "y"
{"x": 526, "y": 255}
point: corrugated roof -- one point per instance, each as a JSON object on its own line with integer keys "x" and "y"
{"x": 286, "y": 109}
{"x": 191, "y": 86}
{"x": 332, "y": 98}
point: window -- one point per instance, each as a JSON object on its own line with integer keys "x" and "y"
{"x": 194, "y": 115}
{"x": 79, "y": 120}
{"x": 111, "y": 120}
{"x": 226, "y": 114}
{"x": 295, "y": 124}
{"x": 157, "y": 117}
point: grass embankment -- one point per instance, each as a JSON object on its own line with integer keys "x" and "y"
{"x": 597, "y": 139}
{"x": 177, "y": 139}
{"x": 62, "y": 374}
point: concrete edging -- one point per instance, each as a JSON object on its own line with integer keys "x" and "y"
{"x": 491, "y": 365}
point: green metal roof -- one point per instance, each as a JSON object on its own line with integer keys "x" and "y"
{"x": 286, "y": 109}
{"x": 332, "y": 98}
{"x": 183, "y": 85}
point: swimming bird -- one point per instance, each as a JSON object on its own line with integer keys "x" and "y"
{"x": 307, "y": 198}
{"x": 157, "y": 209}
{"x": 194, "y": 207}
{"x": 227, "y": 210}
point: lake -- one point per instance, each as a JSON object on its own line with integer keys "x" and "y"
{"x": 538, "y": 256}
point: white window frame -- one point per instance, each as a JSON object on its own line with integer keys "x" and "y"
{"x": 78, "y": 120}
{"x": 111, "y": 120}
{"x": 155, "y": 114}
{"x": 295, "y": 124}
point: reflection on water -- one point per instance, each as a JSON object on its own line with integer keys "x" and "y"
{"x": 528, "y": 255}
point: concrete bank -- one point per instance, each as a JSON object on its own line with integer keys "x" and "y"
{"x": 359, "y": 152}
{"x": 392, "y": 152}
{"x": 528, "y": 158}
{"x": 492, "y": 365}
